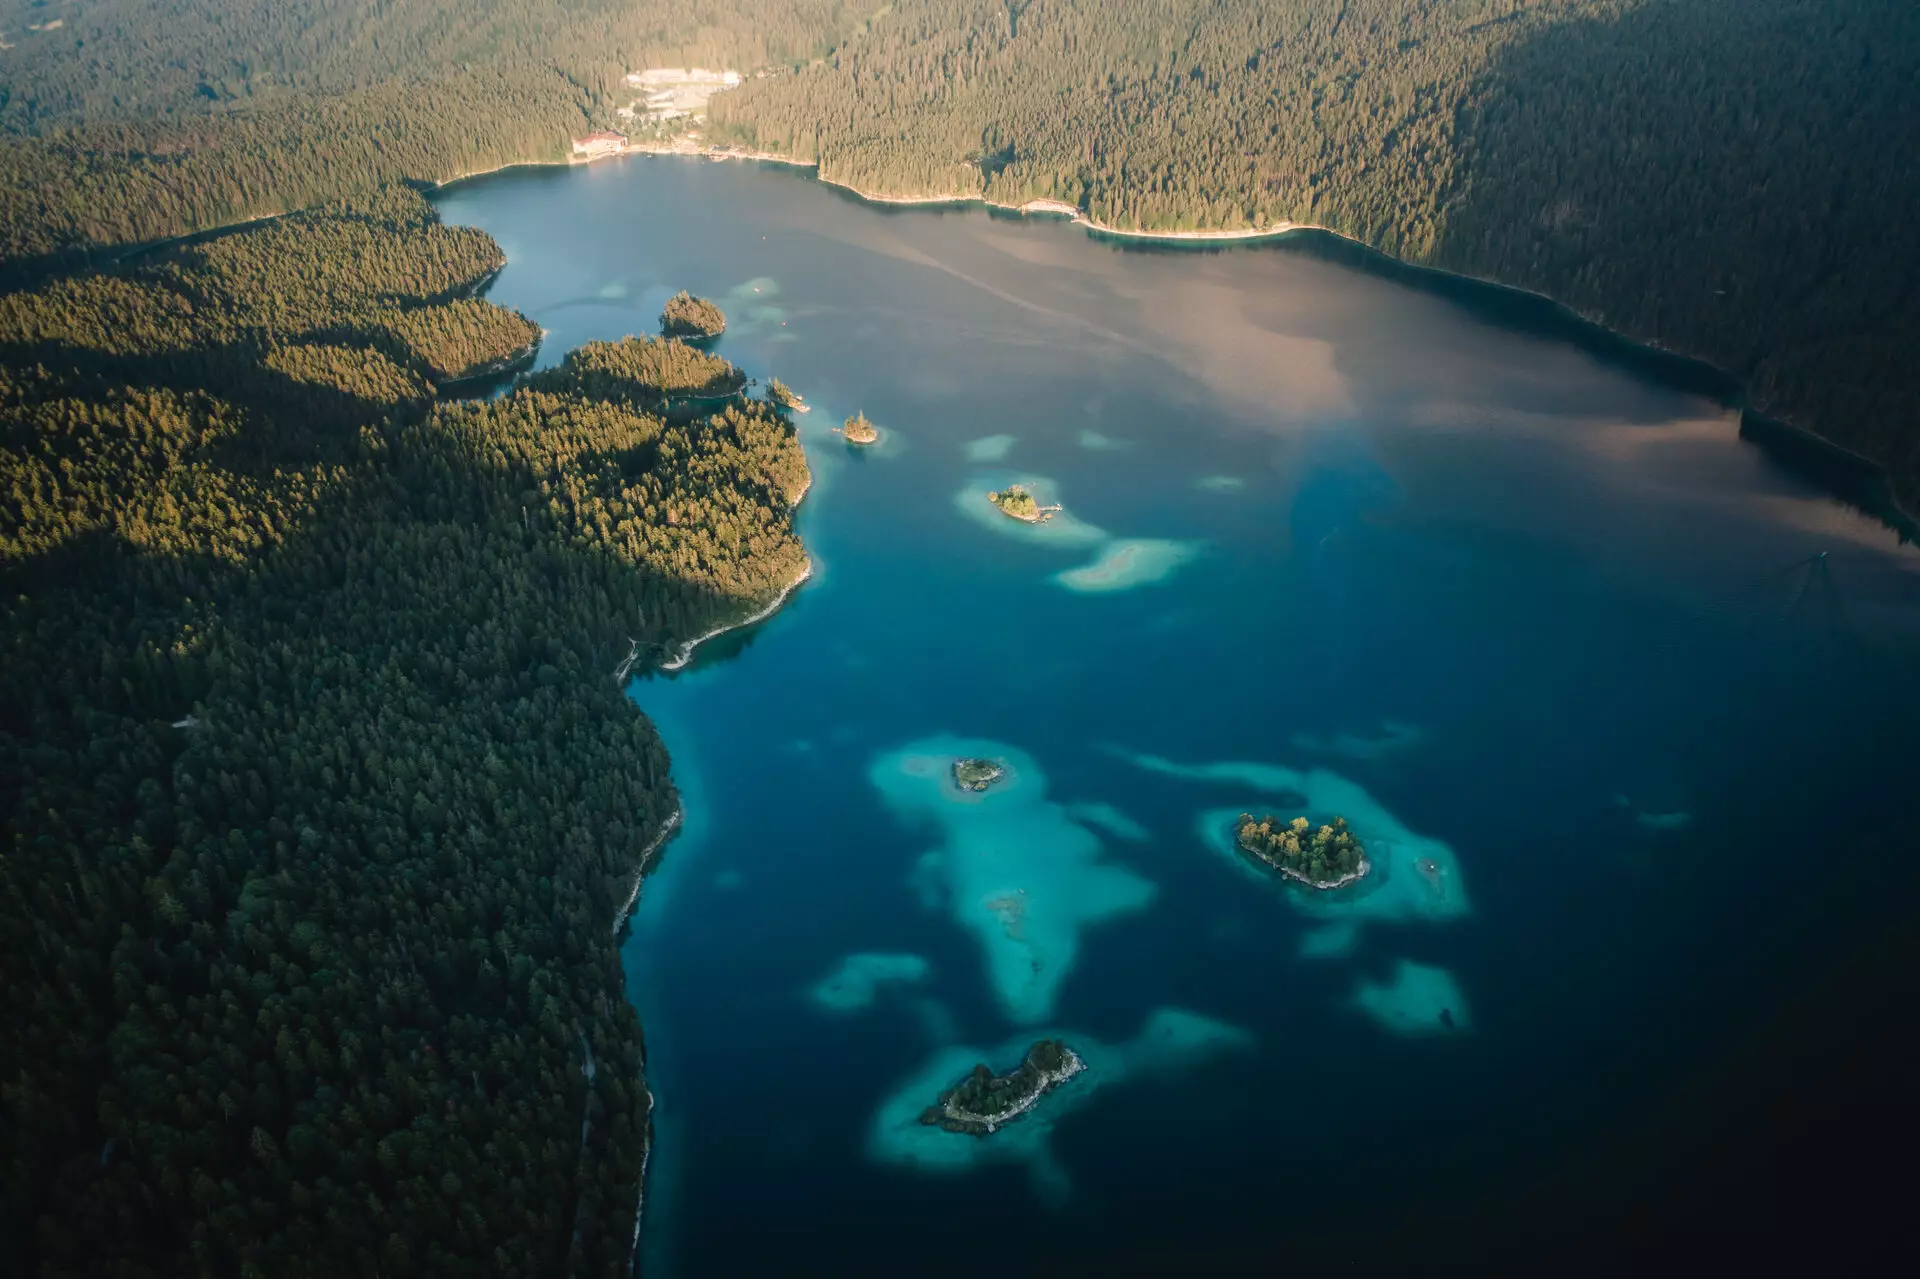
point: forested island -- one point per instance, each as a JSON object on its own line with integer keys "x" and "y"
{"x": 859, "y": 430}
{"x": 1016, "y": 502}
{"x": 1328, "y": 856}
{"x": 780, "y": 395}
{"x": 983, "y": 1101}
{"x": 1754, "y": 222}
{"x": 658, "y": 375}
{"x": 977, "y": 774}
{"x": 320, "y": 805}
{"x": 686, "y": 316}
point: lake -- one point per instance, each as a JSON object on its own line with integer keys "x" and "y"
{"x": 1621, "y": 707}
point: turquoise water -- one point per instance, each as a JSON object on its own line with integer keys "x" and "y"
{"x": 1545, "y": 631}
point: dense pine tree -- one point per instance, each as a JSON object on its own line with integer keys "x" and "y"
{"x": 1727, "y": 181}
{"x": 320, "y": 799}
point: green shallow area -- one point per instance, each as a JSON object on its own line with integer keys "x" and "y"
{"x": 1415, "y": 1000}
{"x": 1394, "y": 888}
{"x": 1125, "y": 563}
{"x": 1412, "y": 876}
{"x": 1064, "y": 529}
{"x": 1013, "y": 868}
{"x": 1118, "y": 563}
{"x": 990, "y": 448}
{"x": 858, "y": 980}
{"x": 1094, "y": 442}
{"x": 1170, "y": 1040}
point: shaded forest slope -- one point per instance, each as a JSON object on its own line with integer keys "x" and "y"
{"x": 319, "y": 799}
{"x": 1729, "y": 182}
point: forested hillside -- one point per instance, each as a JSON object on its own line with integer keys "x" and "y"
{"x": 1730, "y": 181}
{"x": 1725, "y": 180}
{"x": 320, "y": 800}
{"x": 131, "y": 120}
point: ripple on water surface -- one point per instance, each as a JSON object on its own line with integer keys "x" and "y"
{"x": 1014, "y": 868}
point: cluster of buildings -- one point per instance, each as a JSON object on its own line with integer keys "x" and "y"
{"x": 605, "y": 142}
{"x": 667, "y": 94}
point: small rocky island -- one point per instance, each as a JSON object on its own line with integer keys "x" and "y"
{"x": 1016, "y": 502}
{"x": 977, "y": 774}
{"x": 1329, "y": 857}
{"x": 786, "y": 397}
{"x": 859, "y": 430}
{"x": 983, "y": 1101}
{"x": 687, "y": 316}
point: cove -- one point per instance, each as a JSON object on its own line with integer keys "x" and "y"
{"x": 1507, "y": 603}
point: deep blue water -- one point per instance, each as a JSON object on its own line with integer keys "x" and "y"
{"x": 1537, "y": 608}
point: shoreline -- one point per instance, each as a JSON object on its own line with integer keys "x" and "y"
{"x": 1050, "y": 207}
{"x": 1039, "y": 207}
{"x": 640, "y": 1190}
{"x": 1045, "y": 513}
{"x": 666, "y": 832}
{"x": 1047, "y": 207}
{"x": 667, "y": 828}
{"x": 512, "y": 363}
{"x": 685, "y": 653}
{"x": 1287, "y": 872}
{"x": 1352, "y": 878}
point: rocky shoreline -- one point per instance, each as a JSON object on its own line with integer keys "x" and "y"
{"x": 1330, "y": 844}
{"x": 1352, "y": 877}
{"x": 685, "y": 652}
{"x": 949, "y": 1114}
{"x": 667, "y": 828}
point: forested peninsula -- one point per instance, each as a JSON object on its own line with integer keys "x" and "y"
{"x": 1729, "y": 182}
{"x": 320, "y": 803}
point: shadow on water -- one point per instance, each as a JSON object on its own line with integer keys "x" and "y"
{"x": 1724, "y": 264}
{"x": 1771, "y": 319}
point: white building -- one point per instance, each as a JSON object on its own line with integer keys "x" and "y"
{"x": 605, "y": 142}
